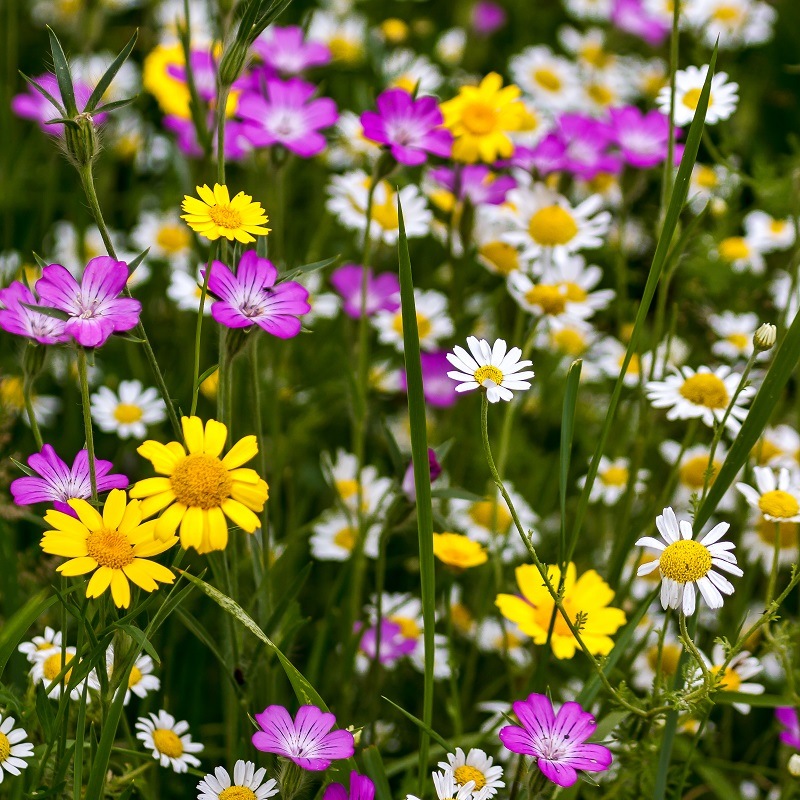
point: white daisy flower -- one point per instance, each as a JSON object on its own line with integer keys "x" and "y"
{"x": 704, "y": 394}
{"x": 594, "y": 10}
{"x": 186, "y": 291}
{"x": 433, "y": 322}
{"x": 405, "y": 69}
{"x": 735, "y": 332}
{"x": 722, "y": 99}
{"x": 569, "y": 340}
{"x": 140, "y": 682}
{"x": 247, "y": 784}
{"x": 12, "y": 401}
{"x": 778, "y": 447}
{"x": 588, "y": 47}
{"x": 90, "y": 69}
{"x": 608, "y": 356}
{"x": 447, "y": 788}
{"x": 128, "y": 412}
{"x": 504, "y": 638}
{"x": 342, "y": 475}
{"x": 168, "y": 741}
{"x": 346, "y": 36}
{"x": 606, "y": 88}
{"x": 167, "y": 236}
{"x": 767, "y": 233}
{"x": 742, "y": 254}
{"x": 612, "y": 479}
{"x": 709, "y": 183}
{"x": 759, "y": 541}
{"x": 335, "y": 534}
{"x": 48, "y": 665}
{"x": 493, "y": 252}
{"x": 692, "y": 471}
{"x": 349, "y": 147}
{"x": 324, "y": 305}
{"x": 13, "y": 749}
{"x": 777, "y": 498}
{"x": 170, "y": 14}
{"x": 785, "y": 292}
{"x": 492, "y": 367}
{"x": 735, "y": 23}
{"x": 476, "y": 767}
{"x": 735, "y": 677}
{"x": 449, "y": 47}
{"x": 646, "y": 663}
{"x": 552, "y": 81}
{"x": 49, "y": 642}
{"x": 685, "y": 563}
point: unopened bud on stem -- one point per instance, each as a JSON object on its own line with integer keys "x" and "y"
{"x": 764, "y": 338}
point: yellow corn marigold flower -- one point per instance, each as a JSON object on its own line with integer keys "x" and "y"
{"x": 458, "y": 551}
{"x": 215, "y": 215}
{"x": 588, "y": 596}
{"x": 481, "y": 117}
{"x": 200, "y": 488}
{"x": 116, "y": 546}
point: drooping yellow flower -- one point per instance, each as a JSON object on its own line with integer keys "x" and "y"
{"x": 588, "y": 596}
{"x": 115, "y": 546}
{"x": 458, "y": 551}
{"x": 215, "y": 215}
{"x": 481, "y": 117}
{"x": 200, "y": 488}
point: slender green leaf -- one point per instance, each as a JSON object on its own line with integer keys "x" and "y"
{"x": 196, "y": 627}
{"x": 40, "y": 261}
{"x": 567, "y": 431}
{"x": 21, "y": 467}
{"x": 132, "y": 267}
{"x": 17, "y": 626}
{"x": 755, "y": 700}
{"x": 423, "y": 726}
{"x": 47, "y": 96}
{"x": 307, "y": 268}
{"x": 80, "y": 733}
{"x": 48, "y": 311}
{"x": 110, "y": 73}
{"x": 207, "y": 373}
{"x": 139, "y": 637}
{"x": 456, "y": 493}
{"x": 114, "y": 105}
{"x": 63, "y": 74}
{"x": 377, "y": 771}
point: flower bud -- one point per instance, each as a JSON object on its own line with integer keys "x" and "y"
{"x": 33, "y": 359}
{"x": 80, "y": 139}
{"x": 794, "y": 765}
{"x": 764, "y": 338}
{"x": 232, "y": 63}
{"x": 291, "y": 779}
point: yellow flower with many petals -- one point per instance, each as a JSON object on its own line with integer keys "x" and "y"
{"x": 200, "y": 488}
{"x": 215, "y": 215}
{"x": 115, "y": 545}
{"x": 481, "y": 117}
{"x": 587, "y": 596}
{"x": 458, "y": 551}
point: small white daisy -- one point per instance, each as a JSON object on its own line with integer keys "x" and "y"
{"x": 408, "y": 70}
{"x": 685, "y": 563}
{"x": 128, "y": 412}
{"x": 167, "y": 237}
{"x": 646, "y": 663}
{"x": 767, "y": 233}
{"x": 491, "y": 367}
{"x": 186, "y": 291}
{"x": 612, "y": 481}
{"x": 552, "y": 81}
{"x": 350, "y": 148}
{"x": 710, "y": 184}
{"x": 734, "y": 23}
{"x": 433, "y": 321}
{"x": 13, "y": 749}
{"x": 141, "y": 681}
{"x": 48, "y": 665}
{"x": 342, "y": 474}
{"x": 89, "y": 69}
{"x": 735, "y": 332}
{"x": 12, "y": 401}
{"x": 247, "y": 784}
{"x": 476, "y": 767}
{"x": 494, "y": 636}
{"x": 742, "y": 254}
{"x": 346, "y": 36}
{"x": 595, "y": 10}
{"x": 692, "y": 472}
{"x": 778, "y": 447}
{"x": 50, "y": 641}
{"x": 778, "y": 499}
{"x": 168, "y": 741}
{"x": 447, "y": 788}
{"x": 722, "y": 99}
{"x": 759, "y": 541}
{"x": 735, "y": 677}
{"x": 449, "y": 47}
{"x": 334, "y": 536}
{"x": 608, "y": 356}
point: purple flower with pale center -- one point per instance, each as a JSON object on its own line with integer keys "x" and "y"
{"x": 642, "y": 138}
{"x": 56, "y": 483}
{"x": 361, "y": 788}
{"x": 16, "y": 318}
{"x": 286, "y": 50}
{"x": 307, "y": 740}
{"x": 556, "y": 741}
{"x": 383, "y": 291}
{"x": 34, "y": 105}
{"x": 287, "y": 115}
{"x": 237, "y": 143}
{"x": 632, "y": 17}
{"x": 439, "y": 390}
{"x": 94, "y": 306}
{"x": 788, "y": 718}
{"x": 586, "y": 146}
{"x": 394, "y": 645}
{"x": 410, "y": 127}
{"x": 251, "y": 297}
{"x": 545, "y": 157}
{"x": 409, "y": 487}
{"x": 488, "y": 17}
{"x": 475, "y": 182}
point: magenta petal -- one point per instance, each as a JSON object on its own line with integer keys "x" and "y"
{"x": 558, "y": 773}
{"x": 517, "y": 740}
{"x": 335, "y": 791}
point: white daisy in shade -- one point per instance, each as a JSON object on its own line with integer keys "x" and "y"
{"x": 759, "y": 541}
{"x": 735, "y": 332}
{"x": 713, "y": 184}
{"x": 247, "y": 784}
{"x": 433, "y": 322}
{"x": 141, "y": 681}
{"x": 613, "y": 476}
{"x": 778, "y": 446}
{"x": 777, "y": 498}
{"x": 12, "y": 401}
{"x": 343, "y": 476}
{"x": 735, "y": 677}
{"x": 742, "y": 254}
{"x": 474, "y": 766}
{"x": 168, "y": 741}
{"x": 349, "y": 147}
{"x": 47, "y": 667}
{"x": 334, "y": 537}
{"x": 128, "y": 412}
{"x": 768, "y": 233}
{"x": 167, "y": 237}
{"x": 186, "y": 290}
{"x": 50, "y": 641}
{"x": 647, "y": 663}
{"x": 552, "y": 81}
{"x": 685, "y": 563}
{"x": 732, "y": 23}
{"x": 722, "y": 99}
{"x": 491, "y": 367}
{"x": 692, "y": 470}
{"x": 447, "y": 788}
{"x": 505, "y": 639}
{"x": 704, "y": 394}
{"x": 407, "y": 70}
{"x": 13, "y": 749}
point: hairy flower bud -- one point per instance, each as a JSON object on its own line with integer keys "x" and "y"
{"x": 764, "y": 338}
{"x": 80, "y": 139}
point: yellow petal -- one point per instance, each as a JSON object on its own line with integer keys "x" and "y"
{"x": 245, "y": 449}
{"x": 154, "y": 570}
{"x": 168, "y": 522}
{"x": 66, "y": 523}
{"x": 160, "y": 456}
{"x": 193, "y": 433}
{"x": 206, "y": 195}
{"x": 152, "y": 505}
{"x": 150, "y": 486}
{"x": 192, "y": 528}
{"x": 88, "y": 516}
{"x": 77, "y": 566}
{"x": 221, "y": 194}
{"x": 120, "y": 589}
{"x": 563, "y": 646}
{"x": 140, "y": 576}
{"x": 241, "y": 515}
{"x": 216, "y": 434}
{"x": 245, "y": 475}
{"x": 131, "y": 518}
{"x": 253, "y": 497}
{"x": 99, "y": 582}
{"x": 217, "y": 529}
{"x": 114, "y": 509}
{"x": 63, "y": 545}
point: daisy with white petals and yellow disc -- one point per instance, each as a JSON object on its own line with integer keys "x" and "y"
{"x": 777, "y": 498}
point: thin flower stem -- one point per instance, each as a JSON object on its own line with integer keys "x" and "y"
{"x": 27, "y": 393}
{"x": 222, "y": 102}
{"x": 773, "y": 573}
{"x": 212, "y": 254}
{"x": 87, "y": 419}
{"x": 692, "y": 648}
{"x": 262, "y": 461}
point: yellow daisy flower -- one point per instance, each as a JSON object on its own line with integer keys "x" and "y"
{"x": 589, "y": 596}
{"x": 200, "y": 489}
{"x": 458, "y": 551}
{"x": 115, "y": 545}
{"x": 215, "y": 215}
{"x": 480, "y": 118}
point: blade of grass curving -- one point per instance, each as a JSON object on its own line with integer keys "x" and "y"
{"x": 110, "y": 74}
{"x": 63, "y": 74}
{"x": 305, "y": 269}
{"x": 422, "y": 482}
{"x": 17, "y": 625}
{"x": 567, "y": 431}
{"x": 427, "y": 729}
{"x": 377, "y": 771}
{"x": 676, "y": 203}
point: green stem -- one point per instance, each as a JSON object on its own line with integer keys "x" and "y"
{"x": 262, "y": 460}
{"x": 222, "y": 102}
{"x": 212, "y": 254}
{"x": 773, "y": 573}
{"x": 27, "y": 393}
{"x": 666, "y": 184}
{"x": 87, "y": 419}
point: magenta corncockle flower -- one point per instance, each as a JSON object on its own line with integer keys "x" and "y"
{"x": 488, "y": 17}
{"x": 556, "y": 740}
{"x": 34, "y": 105}
{"x": 237, "y": 142}
{"x": 251, "y": 297}
{"x": 393, "y": 646}
{"x": 307, "y": 740}
{"x": 56, "y": 483}
{"x": 632, "y": 17}
{"x": 788, "y": 718}
{"x": 287, "y": 114}
{"x": 16, "y": 318}
{"x": 642, "y": 138}
{"x": 94, "y": 305}
{"x": 285, "y": 50}
{"x": 409, "y": 487}
{"x": 439, "y": 390}
{"x": 475, "y": 182}
{"x": 410, "y": 127}
{"x": 361, "y": 788}
{"x": 383, "y": 291}
{"x": 586, "y": 146}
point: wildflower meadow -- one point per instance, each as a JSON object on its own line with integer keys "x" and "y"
{"x": 399, "y": 399}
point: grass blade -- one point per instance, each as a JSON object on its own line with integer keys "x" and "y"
{"x": 423, "y": 726}
{"x": 110, "y": 74}
{"x": 567, "y": 431}
{"x": 377, "y": 771}
{"x": 17, "y": 626}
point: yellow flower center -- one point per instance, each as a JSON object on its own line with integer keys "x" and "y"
{"x": 765, "y": 451}
{"x": 424, "y": 325}
{"x": 569, "y": 341}
{"x": 787, "y": 531}
{"x": 553, "y": 298}
{"x": 237, "y": 793}
{"x": 692, "y": 472}
{"x": 347, "y": 487}
{"x": 344, "y": 49}
{"x": 5, "y": 747}
{"x": 726, "y": 13}
{"x": 502, "y": 256}
{"x": 778, "y": 503}
{"x": 53, "y": 665}
{"x": 734, "y": 248}
{"x": 615, "y": 476}
{"x": 508, "y": 641}
{"x": 705, "y": 389}
{"x": 135, "y": 677}
{"x": 600, "y": 94}
{"x": 395, "y": 30}
{"x": 670, "y": 656}
{"x": 407, "y": 82}
{"x": 173, "y": 238}
{"x": 126, "y": 413}
{"x": 385, "y": 214}
{"x": 408, "y": 627}
{"x": 602, "y": 182}
{"x": 685, "y": 561}
{"x": 11, "y": 393}
{"x": 594, "y": 54}
{"x": 777, "y": 225}
{"x": 738, "y": 340}
{"x": 692, "y": 98}
{"x": 729, "y": 681}
{"x": 490, "y": 514}
{"x": 551, "y": 226}
{"x": 345, "y": 538}
{"x": 479, "y": 118}
{"x": 462, "y": 619}
{"x": 547, "y": 79}
{"x": 168, "y": 742}
{"x": 706, "y": 177}
{"x": 225, "y": 217}
{"x": 465, "y": 774}
{"x": 201, "y": 481}
{"x": 488, "y": 373}
{"x": 109, "y": 548}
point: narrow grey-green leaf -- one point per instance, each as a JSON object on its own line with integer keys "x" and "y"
{"x": 110, "y": 74}
{"x": 63, "y": 74}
